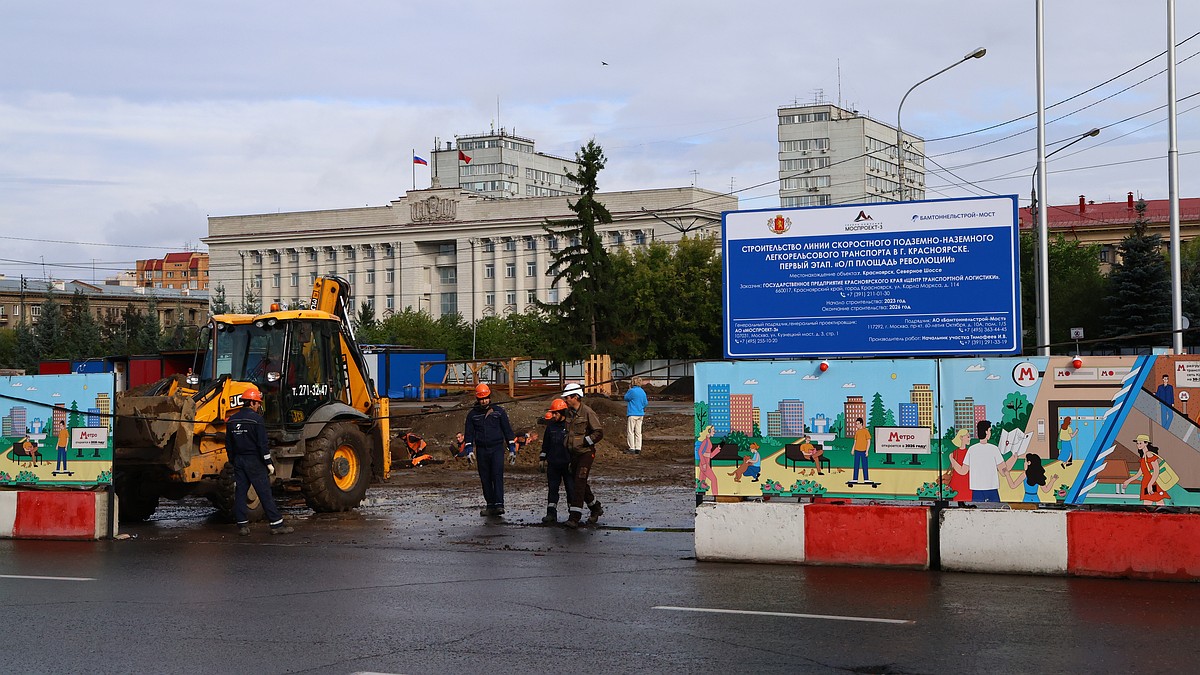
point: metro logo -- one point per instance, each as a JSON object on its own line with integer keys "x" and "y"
{"x": 1025, "y": 374}
{"x": 896, "y": 436}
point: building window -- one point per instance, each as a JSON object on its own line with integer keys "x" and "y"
{"x": 349, "y": 253}
{"x": 489, "y": 271}
{"x": 275, "y": 280}
{"x": 389, "y": 276}
{"x": 806, "y": 200}
{"x": 510, "y": 271}
{"x": 510, "y": 298}
{"x": 370, "y": 302}
{"x": 275, "y": 256}
{"x": 312, "y": 255}
{"x": 552, "y": 296}
{"x": 257, "y": 282}
{"x": 35, "y": 311}
{"x": 489, "y": 246}
{"x": 170, "y": 275}
{"x": 295, "y": 279}
{"x": 312, "y": 277}
{"x": 293, "y": 256}
{"x": 350, "y": 278}
{"x": 805, "y": 145}
{"x": 804, "y": 164}
{"x": 369, "y": 252}
{"x": 447, "y": 275}
{"x": 808, "y": 182}
{"x": 446, "y": 249}
{"x": 370, "y": 276}
{"x": 331, "y": 255}
{"x": 510, "y": 245}
{"x": 530, "y": 244}
{"x": 639, "y": 237}
{"x": 1104, "y": 253}
{"x": 531, "y": 297}
{"x": 389, "y": 302}
{"x": 531, "y": 269}
{"x": 618, "y": 239}
{"x": 257, "y": 258}
{"x": 389, "y": 252}
{"x": 489, "y": 299}
{"x": 449, "y": 304}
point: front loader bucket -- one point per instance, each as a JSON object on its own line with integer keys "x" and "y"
{"x": 156, "y": 429}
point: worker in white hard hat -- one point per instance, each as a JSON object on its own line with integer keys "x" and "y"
{"x": 583, "y": 433}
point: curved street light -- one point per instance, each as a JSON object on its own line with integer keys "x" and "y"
{"x": 974, "y": 54}
{"x": 1033, "y": 201}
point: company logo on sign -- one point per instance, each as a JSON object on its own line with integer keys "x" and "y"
{"x": 1025, "y": 374}
{"x": 779, "y": 224}
{"x": 862, "y": 215}
{"x": 89, "y": 437}
{"x": 902, "y": 440}
{"x": 896, "y": 437}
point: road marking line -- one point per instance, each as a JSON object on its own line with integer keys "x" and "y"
{"x": 831, "y": 617}
{"x": 23, "y": 576}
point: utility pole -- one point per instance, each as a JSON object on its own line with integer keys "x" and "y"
{"x": 23, "y": 286}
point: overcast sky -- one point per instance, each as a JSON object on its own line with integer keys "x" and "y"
{"x": 124, "y": 124}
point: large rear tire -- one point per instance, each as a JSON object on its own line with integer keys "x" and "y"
{"x": 222, "y": 499}
{"x": 335, "y": 471}
{"x": 136, "y": 502}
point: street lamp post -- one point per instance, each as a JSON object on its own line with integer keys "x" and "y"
{"x": 1043, "y": 287}
{"x": 975, "y": 54}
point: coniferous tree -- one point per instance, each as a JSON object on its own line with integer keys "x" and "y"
{"x": 83, "y": 334}
{"x": 218, "y": 303}
{"x": 1139, "y": 297}
{"x": 583, "y": 263}
{"x": 51, "y": 330}
{"x": 149, "y": 335}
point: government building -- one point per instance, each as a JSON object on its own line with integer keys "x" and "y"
{"x": 444, "y": 250}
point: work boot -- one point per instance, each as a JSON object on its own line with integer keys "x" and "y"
{"x": 282, "y": 529}
{"x": 498, "y": 511}
{"x": 244, "y": 530}
{"x": 597, "y": 511}
{"x": 551, "y": 516}
{"x": 489, "y": 511}
{"x": 573, "y": 520}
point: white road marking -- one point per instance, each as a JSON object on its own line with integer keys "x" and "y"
{"x": 22, "y": 576}
{"x": 831, "y": 617}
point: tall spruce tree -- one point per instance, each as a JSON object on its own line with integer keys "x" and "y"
{"x": 1139, "y": 295}
{"x": 578, "y": 320}
{"x": 51, "y": 330}
{"x": 218, "y": 303}
{"x": 82, "y": 329}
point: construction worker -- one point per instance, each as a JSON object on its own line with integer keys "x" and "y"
{"x": 522, "y": 440}
{"x": 583, "y": 433}
{"x": 458, "y": 449}
{"x": 555, "y": 459}
{"x": 417, "y": 449}
{"x": 246, "y": 441}
{"x": 487, "y": 434}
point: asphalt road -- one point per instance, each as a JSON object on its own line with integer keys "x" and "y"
{"x": 417, "y": 582}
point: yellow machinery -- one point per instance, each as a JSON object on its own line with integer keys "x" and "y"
{"x": 328, "y": 428}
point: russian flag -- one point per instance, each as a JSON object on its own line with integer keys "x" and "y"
{"x": 418, "y": 160}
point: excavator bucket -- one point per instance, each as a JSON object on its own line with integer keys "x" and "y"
{"x": 156, "y": 429}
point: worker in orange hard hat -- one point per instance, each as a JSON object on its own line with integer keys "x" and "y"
{"x": 246, "y": 443}
{"x": 488, "y": 433}
{"x": 555, "y": 459}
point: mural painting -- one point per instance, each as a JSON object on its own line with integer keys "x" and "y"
{"x": 56, "y": 430}
{"x": 1115, "y": 430}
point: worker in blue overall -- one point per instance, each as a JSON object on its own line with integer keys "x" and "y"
{"x": 488, "y": 434}
{"x": 555, "y": 459}
{"x": 246, "y": 441}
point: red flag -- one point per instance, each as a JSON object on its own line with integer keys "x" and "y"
{"x": 463, "y": 157}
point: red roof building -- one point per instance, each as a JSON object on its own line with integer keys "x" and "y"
{"x": 176, "y": 270}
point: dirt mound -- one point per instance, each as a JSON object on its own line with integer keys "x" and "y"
{"x": 682, "y": 388}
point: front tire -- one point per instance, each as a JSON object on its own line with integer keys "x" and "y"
{"x": 335, "y": 471}
{"x": 222, "y": 500}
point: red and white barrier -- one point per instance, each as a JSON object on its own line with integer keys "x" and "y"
{"x": 35, "y": 514}
{"x": 750, "y": 531}
{"x": 1136, "y": 545}
{"x": 845, "y": 534}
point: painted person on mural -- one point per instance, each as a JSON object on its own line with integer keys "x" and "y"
{"x": 1034, "y": 475}
{"x": 1166, "y": 394}
{"x": 960, "y": 483}
{"x": 862, "y": 444}
{"x": 704, "y": 454}
{"x": 984, "y": 464}
{"x": 1149, "y": 466}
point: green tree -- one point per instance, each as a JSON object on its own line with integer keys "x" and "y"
{"x": 82, "y": 332}
{"x": 1139, "y": 294}
{"x": 365, "y": 319}
{"x": 218, "y": 304}
{"x": 671, "y": 301}
{"x": 51, "y": 330}
{"x": 583, "y": 263}
{"x": 251, "y": 302}
{"x": 701, "y": 417}
{"x": 418, "y": 329}
{"x": 878, "y": 414}
{"x": 1077, "y": 289}
{"x": 148, "y": 338}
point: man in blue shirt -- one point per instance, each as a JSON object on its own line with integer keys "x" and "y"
{"x": 488, "y": 434}
{"x": 1166, "y": 394}
{"x": 635, "y": 410}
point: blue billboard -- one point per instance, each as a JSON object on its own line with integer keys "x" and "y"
{"x": 938, "y": 277}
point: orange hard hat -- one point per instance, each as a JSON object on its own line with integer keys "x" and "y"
{"x": 483, "y": 391}
{"x": 558, "y": 404}
{"x": 549, "y": 415}
{"x": 252, "y": 394}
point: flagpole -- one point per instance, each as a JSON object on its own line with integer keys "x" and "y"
{"x": 414, "y": 169}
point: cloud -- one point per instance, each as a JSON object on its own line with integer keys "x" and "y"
{"x": 751, "y": 381}
{"x": 848, "y": 385}
{"x": 993, "y": 376}
{"x": 811, "y": 377}
{"x": 975, "y": 368}
{"x": 790, "y": 371}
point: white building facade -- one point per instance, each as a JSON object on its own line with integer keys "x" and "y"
{"x": 502, "y": 165}
{"x": 830, "y": 156}
{"x": 442, "y": 250}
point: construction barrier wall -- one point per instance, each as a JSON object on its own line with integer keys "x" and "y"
{"x": 34, "y": 514}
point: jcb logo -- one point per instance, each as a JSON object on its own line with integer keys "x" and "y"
{"x": 1025, "y": 374}
{"x": 235, "y": 401}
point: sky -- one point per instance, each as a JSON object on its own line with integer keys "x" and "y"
{"x": 124, "y": 125}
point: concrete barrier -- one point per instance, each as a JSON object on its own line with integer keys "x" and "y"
{"x": 843, "y": 534}
{"x": 1134, "y": 545}
{"x": 750, "y": 532}
{"x": 1021, "y": 542}
{"x": 36, "y": 514}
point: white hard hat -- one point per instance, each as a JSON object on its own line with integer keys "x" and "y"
{"x": 573, "y": 389}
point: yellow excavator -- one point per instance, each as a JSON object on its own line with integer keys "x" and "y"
{"x": 327, "y": 426}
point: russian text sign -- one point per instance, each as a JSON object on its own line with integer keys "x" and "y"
{"x": 899, "y": 279}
